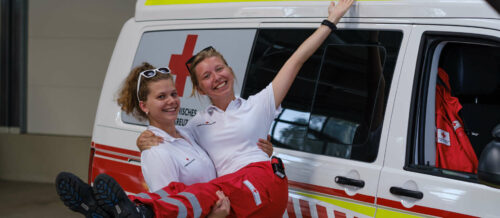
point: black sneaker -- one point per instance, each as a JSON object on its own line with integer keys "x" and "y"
{"x": 111, "y": 197}
{"x": 78, "y": 196}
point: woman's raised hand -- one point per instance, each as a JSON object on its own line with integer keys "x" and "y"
{"x": 335, "y": 12}
{"x": 287, "y": 73}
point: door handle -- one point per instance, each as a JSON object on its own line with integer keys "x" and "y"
{"x": 348, "y": 181}
{"x": 406, "y": 192}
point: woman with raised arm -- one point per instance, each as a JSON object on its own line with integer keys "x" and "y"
{"x": 228, "y": 127}
{"x": 227, "y": 130}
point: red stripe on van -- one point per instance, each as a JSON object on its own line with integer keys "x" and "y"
{"x": 421, "y": 209}
{"x": 119, "y": 150}
{"x": 339, "y": 214}
{"x": 131, "y": 179}
{"x": 289, "y": 209}
{"x": 321, "y": 211}
{"x": 127, "y": 175}
{"x": 112, "y": 155}
{"x": 304, "y": 208}
{"x": 331, "y": 191}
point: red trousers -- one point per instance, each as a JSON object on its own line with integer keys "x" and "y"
{"x": 254, "y": 191}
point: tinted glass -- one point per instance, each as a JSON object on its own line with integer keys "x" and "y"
{"x": 336, "y": 104}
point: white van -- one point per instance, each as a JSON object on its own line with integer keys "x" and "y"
{"x": 358, "y": 131}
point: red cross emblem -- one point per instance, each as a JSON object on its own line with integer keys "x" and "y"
{"x": 178, "y": 63}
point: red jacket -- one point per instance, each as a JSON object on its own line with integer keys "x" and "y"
{"x": 453, "y": 148}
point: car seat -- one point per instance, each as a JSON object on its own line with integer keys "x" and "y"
{"x": 474, "y": 72}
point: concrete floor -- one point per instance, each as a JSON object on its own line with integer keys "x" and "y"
{"x": 26, "y": 199}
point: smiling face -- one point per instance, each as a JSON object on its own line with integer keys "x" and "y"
{"x": 162, "y": 103}
{"x": 215, "y": 79}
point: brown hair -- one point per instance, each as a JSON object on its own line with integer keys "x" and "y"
{"x": 199, "y": 57}
{"x": 127, "y": 97}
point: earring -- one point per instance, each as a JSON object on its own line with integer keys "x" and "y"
{"x": 147, "y": 112}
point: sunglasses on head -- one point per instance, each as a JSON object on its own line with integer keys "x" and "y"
{"x": 149, "y": 74}
{"x": 190, "y": 60}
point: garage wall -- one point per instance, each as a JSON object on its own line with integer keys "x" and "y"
{"x": 39, "y": 158}
{"x": 69, "y": 47}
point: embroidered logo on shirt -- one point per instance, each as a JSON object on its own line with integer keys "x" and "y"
{"x": 185, "y": 165}
{"x": 443, "y": 137}
{"x": 206, "y": 124}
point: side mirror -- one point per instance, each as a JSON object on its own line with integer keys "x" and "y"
{"x": 488, "y": 171}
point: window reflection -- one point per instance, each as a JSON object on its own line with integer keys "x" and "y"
{"x": 336, "y": 104}
{"x": 295, "y": 116}
{"x": 347, "y": 92}
{"x": 289, "y": 128}
{"x": 334, "y": 129}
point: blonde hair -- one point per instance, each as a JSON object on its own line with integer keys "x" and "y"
{"x": 199, "y": 57}
{"x": 127, "y": 97}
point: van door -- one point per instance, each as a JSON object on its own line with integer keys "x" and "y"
{"x": 413, "y": 182}
{"x": 332, "y": 129}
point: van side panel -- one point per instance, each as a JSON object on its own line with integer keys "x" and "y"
{"x": 149, "y": 10}
{"x": 456, "y": 196}
{"x": 167, "y": 34}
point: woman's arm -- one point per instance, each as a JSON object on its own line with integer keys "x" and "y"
{"x": 287, "y": 73}
{"x": 147, "y": 139}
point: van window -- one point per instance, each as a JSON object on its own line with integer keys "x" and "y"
{"x": 335, "y": 106}
{"x": 456, "y": 105}
{"x": 173, "y": 48}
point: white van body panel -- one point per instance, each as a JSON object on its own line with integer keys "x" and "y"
{"x": 313, "y": 190}
{"x": 163, "y": 10}
{"x": 322, "y": 170}
{"x": 452, "y": 195}
{"x": 108, "y": 119}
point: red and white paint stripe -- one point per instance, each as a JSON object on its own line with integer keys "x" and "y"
{"x": 300, "y": 206}
{"x": 124, "y": 166}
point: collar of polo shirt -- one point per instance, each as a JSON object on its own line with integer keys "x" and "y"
{"x": 159, "y": 132}
{"x": 236, "y": 103}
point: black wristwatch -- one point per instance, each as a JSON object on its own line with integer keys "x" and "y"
{"x": 329, "y": 24}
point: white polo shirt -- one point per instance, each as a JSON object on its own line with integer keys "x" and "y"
{"x": 230, "y": 137}
{"x": 175, "y": 160}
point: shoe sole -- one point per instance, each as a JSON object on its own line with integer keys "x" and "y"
{"x": 111, "y": 197}
{"x": 77, "y": 196}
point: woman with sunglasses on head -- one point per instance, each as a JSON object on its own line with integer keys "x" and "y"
{"x": 149, "y": 93}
